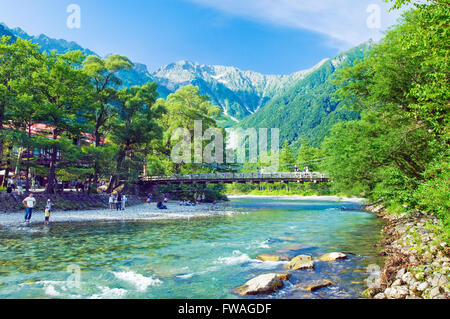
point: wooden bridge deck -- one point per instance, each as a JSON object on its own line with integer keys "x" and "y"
{"x": 228, "y": 178}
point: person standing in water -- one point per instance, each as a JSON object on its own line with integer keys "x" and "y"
{"x": 29, "y": 203}
{"x": 47, "y": 211}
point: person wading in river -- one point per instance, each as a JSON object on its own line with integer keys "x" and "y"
{"x": 29, "y": 203}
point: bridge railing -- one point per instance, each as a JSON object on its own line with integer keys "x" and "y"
{"x": 236, "y": 176}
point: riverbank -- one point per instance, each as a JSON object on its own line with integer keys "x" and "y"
{"x": 137, "y": 213}
{"x": 302, "y": 197}
{"x": 417, "y": 257}
{"x": 67, "y": 201}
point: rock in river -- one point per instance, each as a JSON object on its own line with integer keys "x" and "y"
{"x": 263, "y": 284}
{"x": 333, "y": 256}
{"x": 301, "y": 262}
{"x": 285, "y": 276}
{"x": 319, "y": 284}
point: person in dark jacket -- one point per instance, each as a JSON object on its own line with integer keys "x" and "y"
{"x": 119, "y": 202}
{"x": 160, "y": 205}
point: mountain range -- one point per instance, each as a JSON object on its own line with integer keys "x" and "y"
{"x": 300, "y": 104}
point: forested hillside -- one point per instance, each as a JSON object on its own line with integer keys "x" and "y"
{"x": 309, "y": 109}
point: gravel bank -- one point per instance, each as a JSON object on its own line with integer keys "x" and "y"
{"x": 135, "y": 213}
{"x": 418, "y": 260}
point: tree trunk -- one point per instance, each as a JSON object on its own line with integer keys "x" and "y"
{"x": 90, "y": 181}
{"x": 50, "y": 189}
{"x": 113, "y": 181}
{"x": 27, "y": 186}
{"x": 2, "y": 111}
{"x": 5, "y": 177}
{"x": 112, "y": 184}
{"x": 97, "y": 137}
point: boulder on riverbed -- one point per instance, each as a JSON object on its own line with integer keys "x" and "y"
{"x": 263, "y": 284}
{"x": 319, "y": 284}
{"x": 270, "y": 257}
{"x": 285, "y": 276}
{"x": 333, "y": 256}
{"x": 399, "y": 292}
{"x": 301, "y": 262}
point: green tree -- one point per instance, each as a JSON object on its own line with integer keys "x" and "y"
{"x": 184, "y": 107}
{"x": 133, "y": 129}
{"x": 287, "y": 158}
{"x": 18, "y": 61}
{"x": 64, "y": 88}
{"x": 309, "y": 156}
{"x": 102, "y": 72}
{"x": 398, "y": 151}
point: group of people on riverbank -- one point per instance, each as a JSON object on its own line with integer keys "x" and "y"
{"x": 19, "y": 185}
{"x": 115, "y": 201}
{"x": 200, "y": 200}
{"x": 30, "y": 203}
{"x": 161, "y": 204}
{"x": 118, "y": 201}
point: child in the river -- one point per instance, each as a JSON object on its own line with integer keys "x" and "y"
{"x": 47, "y": 210}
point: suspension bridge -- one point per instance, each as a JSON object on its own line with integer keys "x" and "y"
{"x": 228, "y": 178}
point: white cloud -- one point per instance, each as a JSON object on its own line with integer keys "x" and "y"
{"x": 344, "y": 21}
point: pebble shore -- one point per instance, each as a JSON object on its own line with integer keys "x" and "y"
{"x": 139, "y": 212}
{"x": 417, "y": 259}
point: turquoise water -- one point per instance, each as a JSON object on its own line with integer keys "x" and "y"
{"x": 201, "y": 257}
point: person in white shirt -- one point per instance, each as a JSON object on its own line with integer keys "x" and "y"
{"x": 29, "y": 203}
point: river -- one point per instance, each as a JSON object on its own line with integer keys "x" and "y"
{"x": 190, "y": 257}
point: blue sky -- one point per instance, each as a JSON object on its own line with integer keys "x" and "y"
{"x": 268, "y": 36}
